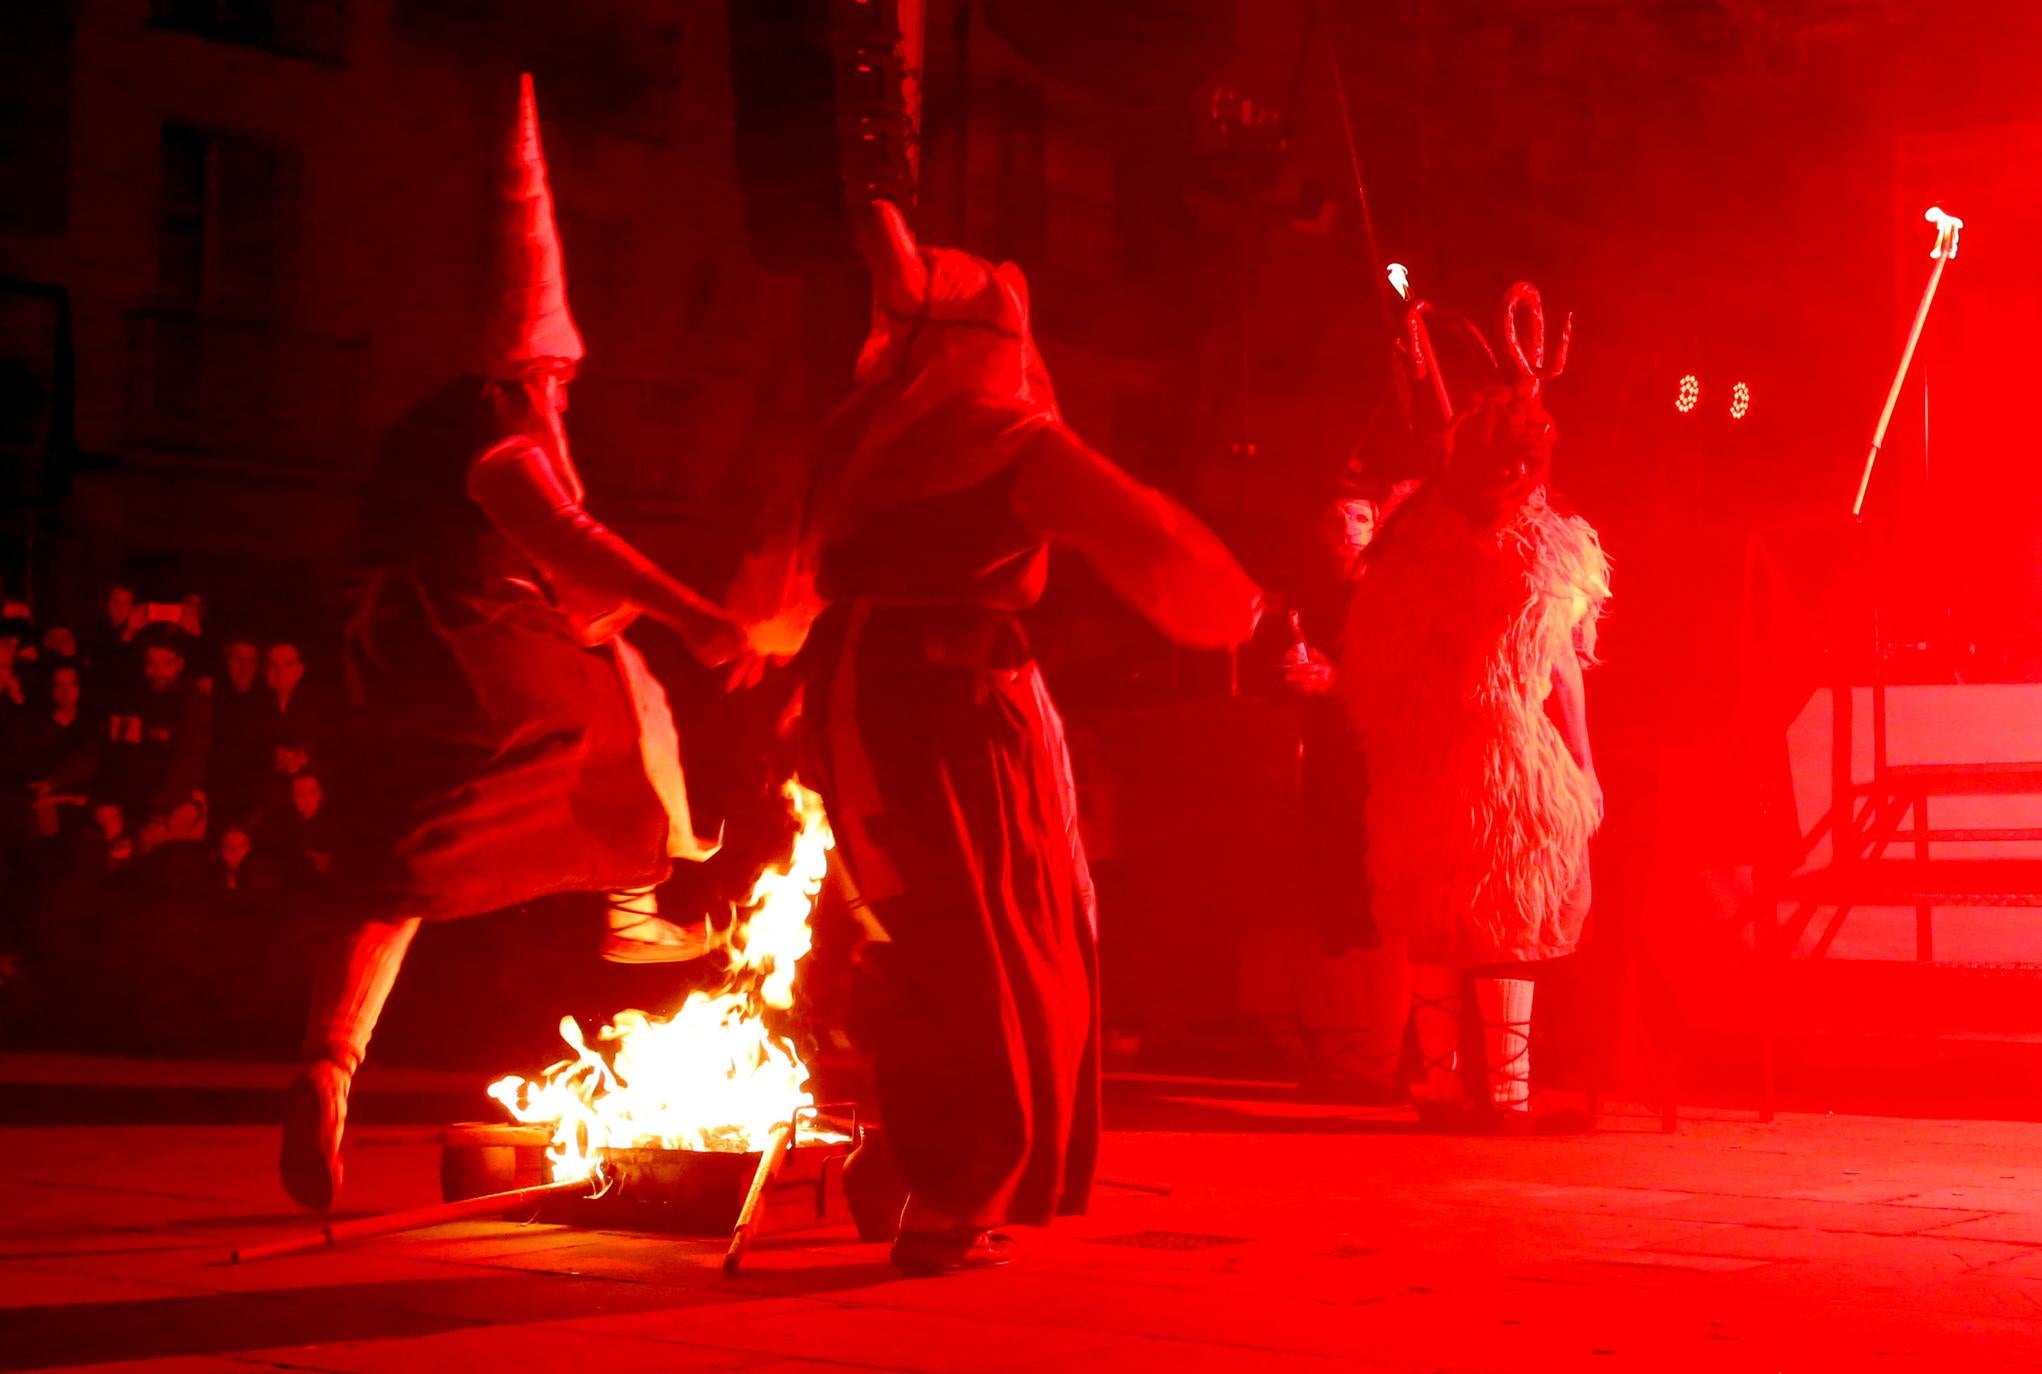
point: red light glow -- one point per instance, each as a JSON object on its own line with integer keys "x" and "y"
{"x": 1689, "y": 395}
{"x": 1740, "y": 401}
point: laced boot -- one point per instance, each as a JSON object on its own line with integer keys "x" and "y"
{"x": 637, "y": 934}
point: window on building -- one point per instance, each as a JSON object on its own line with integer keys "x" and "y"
{"x": 35, "y": 116}
{"x": 228, "y": 224}
{"x": 315, "y": 30}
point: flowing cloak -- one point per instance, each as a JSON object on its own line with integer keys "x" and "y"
{"x": 1478, "y": 816}
{"x": 498, "y": 748}
{"x": 943, "y": 764}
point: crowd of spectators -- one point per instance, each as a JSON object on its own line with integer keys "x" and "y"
{"x": 159, "y": 785}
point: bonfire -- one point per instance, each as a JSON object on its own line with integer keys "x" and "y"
{"x": 717, "y": 1075}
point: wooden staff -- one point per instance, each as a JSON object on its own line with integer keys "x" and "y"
{"x": 1945, "y": 249}
{"x": 416, "y": 1218}
{"x": 1425, "y": 359}
{"x": 776, "y": 1152}
{"x": 1419, "y": 346}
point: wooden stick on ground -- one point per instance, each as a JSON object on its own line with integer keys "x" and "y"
{"x": 416, "y": 1218}
{"x": 777, "y": 1150}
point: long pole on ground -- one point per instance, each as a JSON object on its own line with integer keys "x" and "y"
{"x": 416, "y": 1218}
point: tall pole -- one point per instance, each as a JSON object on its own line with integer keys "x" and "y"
{"x": 1368, "y": 223}
{"x": 1947, "y": 228}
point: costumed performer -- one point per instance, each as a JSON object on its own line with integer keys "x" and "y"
{"x": 1479, "y": 611}
{"x": 507, "y": 742}
{"x": 944, "y": 481}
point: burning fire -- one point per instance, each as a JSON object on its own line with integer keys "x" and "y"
{"x": 714, "y": 1076}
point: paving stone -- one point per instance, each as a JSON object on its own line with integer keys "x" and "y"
{"x": 525, "y": 1347}
{"x": 1346, "y": 1241}
{"x": 847, "y": 1328}
{"x": 2020, "y": 1228}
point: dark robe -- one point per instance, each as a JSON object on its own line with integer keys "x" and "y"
{"x": 486, "y": 758}
{"x": 943, "y": 763}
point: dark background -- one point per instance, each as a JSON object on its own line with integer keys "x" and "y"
{"x": 241, "y": 237}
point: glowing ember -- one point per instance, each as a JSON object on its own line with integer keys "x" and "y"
{"x": 714, "y": 1076}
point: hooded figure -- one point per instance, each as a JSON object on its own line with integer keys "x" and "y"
{"x": 944, "y": 481}
{"x": 1478, "y": 613}
{"x": 506, "y": 742}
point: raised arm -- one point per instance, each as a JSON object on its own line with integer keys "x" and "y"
{"x": 519, "y": 488}
{"x": 1150, "y": 550}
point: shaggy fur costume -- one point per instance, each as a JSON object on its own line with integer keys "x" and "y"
{"x": 1479, "y": 818}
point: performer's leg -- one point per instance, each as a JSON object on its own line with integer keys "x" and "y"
{"x": 1357, "y": 1004}
{"x": 1505, "y": 1006}
{"x": 1385, "y": 1009}
{"x": 1436, "y": 1008}
{"x": 637, "y": 934}
{"x": 350, "y": 986}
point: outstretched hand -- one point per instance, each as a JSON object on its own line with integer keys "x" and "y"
{"x": 1312, "y": 678}
{"x": 722, "y": 641}
{"x": 744, "y": 672}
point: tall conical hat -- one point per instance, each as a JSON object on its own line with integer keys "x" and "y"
{"x": 529, "y": 327}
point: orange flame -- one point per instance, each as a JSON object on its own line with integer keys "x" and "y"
{"x": 714, "y": 1076}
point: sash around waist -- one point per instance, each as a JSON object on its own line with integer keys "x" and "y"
{"x": 978, "y": 638}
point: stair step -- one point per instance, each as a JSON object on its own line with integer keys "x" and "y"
{"x": 1909, "y": 882}
{"x": 1953, "y": 779}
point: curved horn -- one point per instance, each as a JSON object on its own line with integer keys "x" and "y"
{"x": 1533, "y": 362}
{"x": 899, "y": 277}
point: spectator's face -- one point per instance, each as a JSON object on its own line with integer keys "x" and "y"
{"x": 290, "y": 760}
{"x": 307, "y": 795}
{"x": 286, "y": 669}
{"x": 120, "y": 604}
{"x": 64, "y": 692}
{"x": 109, "y": 820}
{"x": 242, "y": 662}
{"x": 60, "y": 642}
{"x": 235, "y": 847}
{"x": 161, "y": 667}
{"x": 1351, "y": 528}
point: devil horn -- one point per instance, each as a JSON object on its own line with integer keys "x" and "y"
{"x": 898, "y": 273}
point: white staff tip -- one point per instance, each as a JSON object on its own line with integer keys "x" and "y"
{"x": 1947, "y": 226}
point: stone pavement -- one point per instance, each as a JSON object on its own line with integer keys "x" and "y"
{"x": 1292, "y": 1237}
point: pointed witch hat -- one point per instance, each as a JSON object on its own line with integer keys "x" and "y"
{"x": 529, "y": 327}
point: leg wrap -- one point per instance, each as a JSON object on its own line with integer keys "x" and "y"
{"x": 349, "y": 989}
{"x": 1505, "y": 1005}
{"x": 631, "y": 906}
{"x": 1436, "y": 1008}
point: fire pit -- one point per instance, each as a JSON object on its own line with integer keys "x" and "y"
{"x": 800, "y": 1181}
{"x": 698, "y": 1122}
